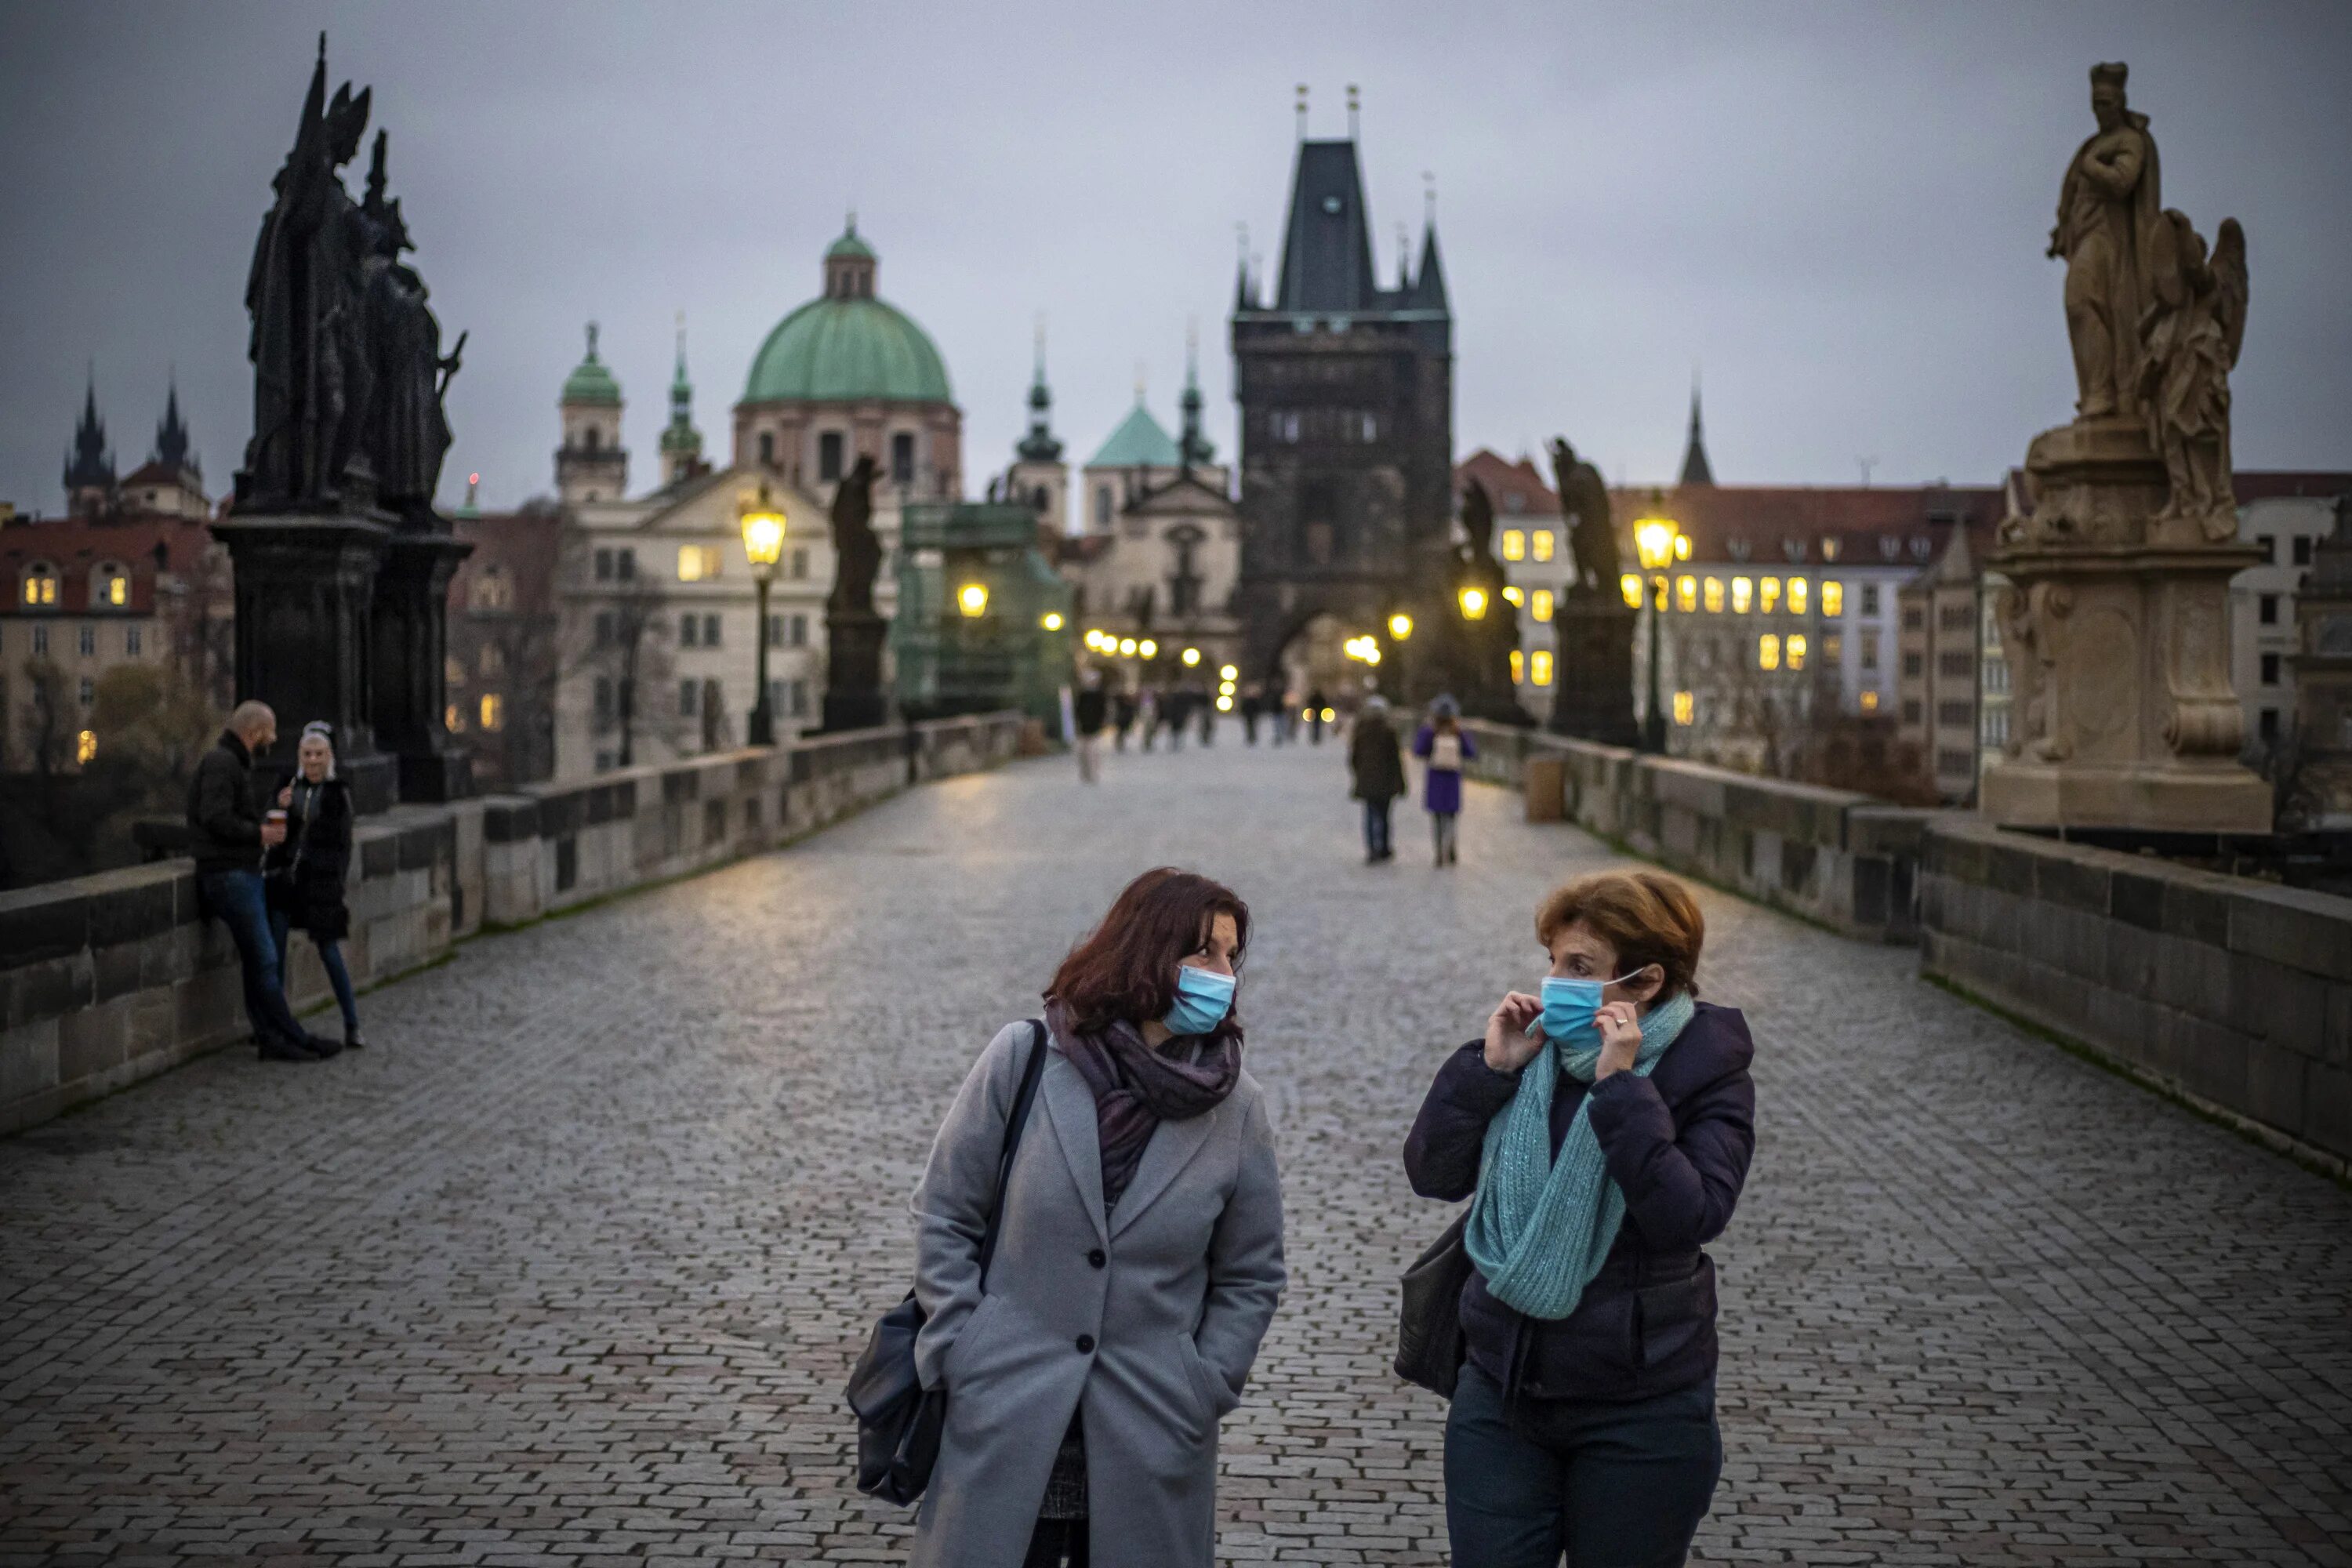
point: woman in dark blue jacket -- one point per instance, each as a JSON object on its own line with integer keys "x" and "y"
{"x": 1603, "y": 1131}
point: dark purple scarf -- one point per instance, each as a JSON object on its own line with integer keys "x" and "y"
{"x": 1135, "y": 1088}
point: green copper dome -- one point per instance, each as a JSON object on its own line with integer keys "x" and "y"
{"x": 847, "y": 346}
{"x": 590, "y": 381}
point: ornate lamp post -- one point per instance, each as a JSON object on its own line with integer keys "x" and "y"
{"x": 1658, "y": 542}
{"x": 763, "y": 545}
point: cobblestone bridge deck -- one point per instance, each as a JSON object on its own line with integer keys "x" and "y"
{"x": 568, "y": 1267}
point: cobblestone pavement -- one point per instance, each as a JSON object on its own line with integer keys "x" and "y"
{"x": 568, "y": 1267}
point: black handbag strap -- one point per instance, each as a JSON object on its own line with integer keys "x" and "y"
{"x": 1013, "y": 1123}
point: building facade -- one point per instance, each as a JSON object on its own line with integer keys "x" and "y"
{"x": 1531, "y": 542}
{"x": 1345, "y": 427}
{"x": 2287, "y": 516}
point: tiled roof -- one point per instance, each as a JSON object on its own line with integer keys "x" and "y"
{"x": 75, "y": 546}
{"x": 2268, "y": 484}
{"x": 1508, "y": 481}
{"x": 1778, "y": 524}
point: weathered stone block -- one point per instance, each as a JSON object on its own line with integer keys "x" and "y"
{"x": 2302, "y": 930}
{"x": 2209, "y": 1061}
{"x": 2276, "y": 1091}
{"x": 2194, "y": 977}
{"x": 2062, "y": 875}
{"x": 2328, "y": 1108}
{"x": 28, "y": 1061}
{"x": 93, "y": 1040}
{"x": 2286, "y": 1007}
{"x": 45, "y": 988}
{"x": 208, "y": 1005}
{"x": 42, "y": 923}
{"x": 2132, "y": 958}
{"x": 117, "y": 971}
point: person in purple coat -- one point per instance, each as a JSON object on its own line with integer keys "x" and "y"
{"x": 1444, "y": 747}
{"x": 1602, "y": 1132}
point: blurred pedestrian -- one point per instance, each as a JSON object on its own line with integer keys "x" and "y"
{"x": 1253, "y": 710}
{"x": 1318, "y": 708}
{"x": 1376, "y": 764}
{"x": 302, "y": 876}
{"x": 1176, "y": 713}
{"x": 228, "y": 831}
{"x": 1122, "y": 717}
{"x": 1206, "y": 706}
{"x": 1443, "y": 747}
{"x": 1087, "y": 714}
{"x": 1147, "y": 715}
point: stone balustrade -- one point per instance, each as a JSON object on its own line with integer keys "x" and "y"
{"x": 109, "y": 979}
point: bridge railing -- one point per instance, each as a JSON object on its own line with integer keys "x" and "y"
{"x": 110, "y": 979}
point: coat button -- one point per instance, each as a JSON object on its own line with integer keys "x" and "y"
{"x": 1086, "y": 1344}
{"x": 1096, "y": 1258}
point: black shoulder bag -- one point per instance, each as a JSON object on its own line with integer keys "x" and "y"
{"x": 898, "y": 1420}
{"x": 1429, "y": 1328}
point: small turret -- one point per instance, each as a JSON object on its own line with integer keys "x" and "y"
{"x": 591, "y": 465}
{"x": 1039, "y": 446}
{"x": 1193, "y": 447}
{"x": 1696, "y": 469}
{"x": 681, "y": 443}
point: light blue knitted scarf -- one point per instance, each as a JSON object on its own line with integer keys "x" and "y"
{"x": 1539, "y": 1227}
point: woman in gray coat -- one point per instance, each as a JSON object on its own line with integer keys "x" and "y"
{"x": 1138, "y": 1260}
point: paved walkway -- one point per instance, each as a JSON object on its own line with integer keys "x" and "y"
{"x": 568, "y": 1268}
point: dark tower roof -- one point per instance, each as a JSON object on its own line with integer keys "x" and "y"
{"x": 89, "y": 465}
{"x": 1327, "y": 248}
{"x": 1039, "y": 446}
{"x": 1193, "y": 447}
{"x": 172, "y": 447}
{"x": 1695, "y": 466}
{"x": 1428, "y": 288}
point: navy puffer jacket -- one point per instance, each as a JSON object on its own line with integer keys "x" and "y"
{"x": 1678, "y": 1143}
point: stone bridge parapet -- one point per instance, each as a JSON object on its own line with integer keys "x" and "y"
{"x": 110, "y": 979}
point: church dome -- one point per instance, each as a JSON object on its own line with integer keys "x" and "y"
{"x": 846, "y": 345}
{"x": 590, "y": 381}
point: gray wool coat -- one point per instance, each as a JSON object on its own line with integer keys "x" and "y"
{"x": 1149, "y": 1317}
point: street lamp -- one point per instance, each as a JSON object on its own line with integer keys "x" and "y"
{"x": 1400, "y": 627}
{"x": 1473, "y": 604}
{"x": 1192, "y": 657}
{"x": 1051, "y": 620}
{"x": 763, "y": 546}
{"x": 972, "y": 600}
{"x": 1660, "y": 544}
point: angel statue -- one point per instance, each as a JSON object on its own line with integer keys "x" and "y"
{"x": 2191, "y": 332}
{"x": 1591, "y": 534}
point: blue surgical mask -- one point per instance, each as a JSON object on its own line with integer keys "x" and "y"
{"x": 1204, "y": 998}
{"x": 1568, "y": 1005}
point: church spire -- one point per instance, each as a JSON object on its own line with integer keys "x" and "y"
{"x": 1429, "y": 283}
{"x": 681, "y": 443}
{"x": 172, "y": 446}
{"x": 90, "y": 477}
{"x": 1696, "y": 470}
{"x": 1194, "y": 448}
{"x": 1039, "y": 444}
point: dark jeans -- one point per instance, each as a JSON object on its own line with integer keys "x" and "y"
{"x": 234, "y": 899}
{"x": 1614, "y": 1485}
{"x": 330, "y": 955}
{"x": 1376, "y": 827}
{"x": 1057, "y": 1543}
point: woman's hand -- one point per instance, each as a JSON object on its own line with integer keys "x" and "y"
{"x": 1514, "y": 1032}
{"x": 1621, "y": 1038}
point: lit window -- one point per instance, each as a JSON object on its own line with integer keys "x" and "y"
{"x": 1714, "y": 595}
{"x": 1767, "y": 652}
{"x": 452, "y": 718}
{"x": 1796, "y": 595}
{"x": 1767, "y": 595}
{"x": 1659, "y": 588}
{"x": 1870, "y": 701}
{"x": 453, "y": 669}
{"x": 1830, "y": 544}
{"x": 1686, "y": 595}
{"x": 85, "y": 746}
{"x": 494, "y": 711}
{"x": 1519, "y": 667}
{"x": 1543, "y": 542}
{"x": 1514, "y": 596}
{"x": 1742, "y": 590}
{"x": 1630, "y": 585}
{"x": 1541, "y": 606}
{"x": 1681, "y": 546}
{"x": 1686, "y": 707}
{"x": 1797, "y": 650}
{"x": 695, "y": 562}
{"x": 118, "y": 589}
{"x": 1832, "y": 597}
{"x": 1515, "y": 544}
{"x": 41, "y": 585}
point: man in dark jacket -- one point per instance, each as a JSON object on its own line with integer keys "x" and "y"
{"x": 1377, "y": 766}
{"x": 1088, "y": 711}
{"x": 228, "y": 832}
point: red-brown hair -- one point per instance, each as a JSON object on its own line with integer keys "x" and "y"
{"x": 1647, "y": 916}
{"x": 1125, "y": 967}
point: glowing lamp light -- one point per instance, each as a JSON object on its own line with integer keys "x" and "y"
{"x": 1630, "y": 585}
{"x": 1192, "y": 657}
{"x": 1229, "y": 672}
{"x": 1126, "y": 647}
{"x": 972, "y": 600}
{"x": 1399, "y": 626}
{"x": 1225, "y": 702}
{"x": 1653, "y": 538}
{"x": 85, "y": 746}
{"x": 1372, "y": 655}
{"x": 1051, "y": 620}
{"x": 473, "y": 478}
{"x": 764, "y": 536}
{"x": 1148, "y": 648}
{"x": 1511, "y": 596}
{"x": 1328, "y": 715}
{"x": 1473, "y": 604}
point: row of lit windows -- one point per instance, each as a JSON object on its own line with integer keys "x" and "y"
{"x": 110, "y": 584}
{"x": 1518, "y": 544}
{"x": 493, "y": 709}
{"x": 1686, "y": 705}
{"x": 1537, "y": 604}
{"x": 701, "y": 563}
{"x": 1531, "y": 669}
{"x": 1762, "y": 595}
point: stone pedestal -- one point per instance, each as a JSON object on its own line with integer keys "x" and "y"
{"x": 1593, "y": 696}
{"x": 854, "y": 697}
{"x": 410, "y": 645}
{"x": 305, "y": 589}
{"x": 2115, "y": 627}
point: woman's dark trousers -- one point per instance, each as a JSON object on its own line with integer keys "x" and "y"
{"x": 330, "y": 958}
{"x": 1613, "y": 1486}
{"x": 1376, "y": 828}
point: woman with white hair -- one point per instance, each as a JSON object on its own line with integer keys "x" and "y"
{"x": 303, "y": 875}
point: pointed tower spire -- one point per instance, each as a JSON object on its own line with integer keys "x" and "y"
{"x": 1242, "y": 299}
{"x": 1039, "y": 444}
{"x": 1194, "y": 448}
{"x": 681, "y": 443}
{"x": 1696, "y": 470}
{"x": 172, "y": 446}
{"x": 89, "y": 466}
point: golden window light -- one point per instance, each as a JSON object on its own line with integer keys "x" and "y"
{"x": 1630, "y": 585}
{"x": 1796, "y": 650}
{"x": 1541, "y": 542}
{"x": 494, "y": 716}
{"x": 1767, "y": 595}
{"x": 1686, "y": 595}
{"x": 1681, "y": 546}
{"x": 1541, "y": 607}
{"x": 1714, "y": 595}
{"x": 118, "y": 589}
{"x": 1870, "y": 701}
{"x": 1658, "y": 589}
{"x": 1685, "y": 705}
{"x": 689, "y": 564}
{"x": 1515, "y": 544}
{"x": 1767, "y": 652}
{"x": 1796, "y": 595}
{"x": 1539, "y": 666}
{"x": 1519, "y": 668}
{"x": 1517, "y": 599}
{"x": 1742, "y": 592}
{"x": 85, "y": 746}
{"x": 1832, "y": 597}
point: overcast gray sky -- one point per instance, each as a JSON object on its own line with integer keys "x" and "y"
{"x": 1838, "y": 211}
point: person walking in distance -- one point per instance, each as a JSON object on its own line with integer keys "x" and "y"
{"x": 228, "y": 831}
{"x": 1252, "y": 706}
{"x": 1122, "y": 717}
{"x": 1602, "y": 1132}
{"x": 1317, "y": 705}
{"x": 1138, "y": 1256}
{"x": 302, "y": 875}
{"x": 1443, "y": 747}
{"x": 1147, "y": 715}
{"x": 1087, "y": 711}
{"x": 1376, "y": 765}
